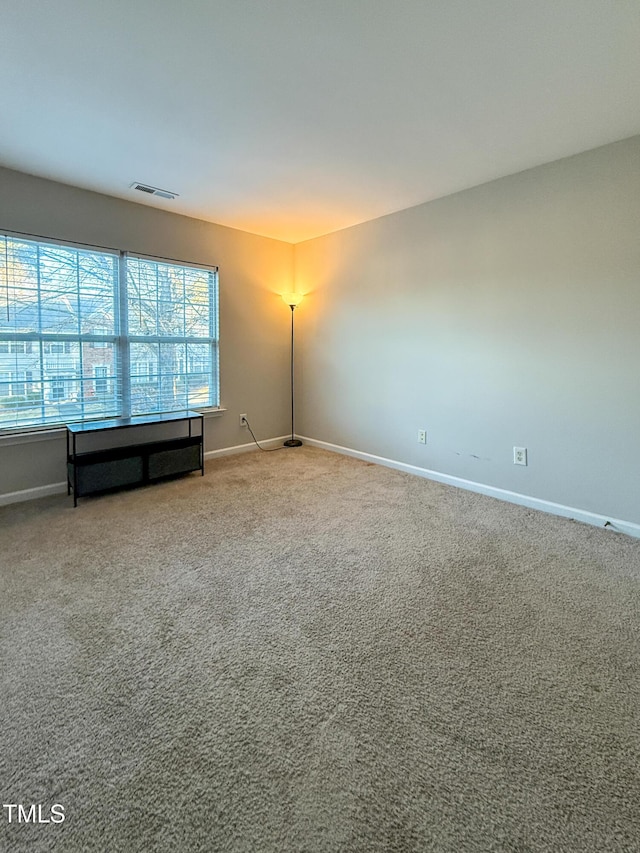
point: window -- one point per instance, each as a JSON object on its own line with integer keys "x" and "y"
{"x": 143, "y": 372}
{"x": 93, "y": 334}
{"x": 100, "y": 385}
{"x": 61, "y": 386}
{"x": 22, "y": 347}
{"x": 16, "y": 384}
{"x": 56, "y": 347}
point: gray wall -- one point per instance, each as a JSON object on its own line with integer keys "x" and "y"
{"x": 504, "y": 315}
{"x": 254, "y": 322}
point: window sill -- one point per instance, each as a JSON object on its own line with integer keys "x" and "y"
{"x": 12, "y": 438}
{"x": 211, "y": 413}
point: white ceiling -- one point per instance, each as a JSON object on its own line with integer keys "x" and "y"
{"x": 293, "y": 118}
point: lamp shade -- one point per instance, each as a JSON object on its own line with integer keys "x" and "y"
{"x": 292, "y": 299}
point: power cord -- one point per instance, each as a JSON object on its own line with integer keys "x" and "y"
{"x": 263, "y": 449}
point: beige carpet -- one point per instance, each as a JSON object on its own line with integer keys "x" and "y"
{"x": 304, "y": 652}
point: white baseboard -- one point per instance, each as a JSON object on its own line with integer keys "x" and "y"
{"x": 595, "y": 519}
{"x": 60, "y": 488}
{"x": 32, "y": 494}
{"x": 614, "y": 524}
{"x": 267, "y": 443}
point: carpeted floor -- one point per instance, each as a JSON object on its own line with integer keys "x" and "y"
{"x": 301, "y": 652}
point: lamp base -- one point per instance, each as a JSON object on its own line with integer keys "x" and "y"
{"x": 292, "y": 442}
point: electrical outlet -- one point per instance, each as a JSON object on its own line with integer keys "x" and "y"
{"x": 422, "y": 436}
{"x": 519, "y": 455}
{"x": 243, "y": 421}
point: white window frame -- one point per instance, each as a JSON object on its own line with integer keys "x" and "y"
{"x": 23, "y": 343}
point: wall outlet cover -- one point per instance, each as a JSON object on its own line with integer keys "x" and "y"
{"x": 519, "y": 455}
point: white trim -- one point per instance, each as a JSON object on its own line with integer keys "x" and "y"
{"x": 171, "y": 262}
{"x": 55, "y": 241}
{"x": 33, "y": 494}
{"x": 585, "y": 516}
{"x": 267, "y": 443}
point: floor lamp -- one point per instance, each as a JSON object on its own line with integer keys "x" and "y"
{"x": 292, "y": 299}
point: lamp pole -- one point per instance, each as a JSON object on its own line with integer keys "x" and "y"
{"x": 292, "y": 299}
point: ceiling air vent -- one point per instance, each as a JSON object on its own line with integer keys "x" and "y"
{"x": 145, "y": 188}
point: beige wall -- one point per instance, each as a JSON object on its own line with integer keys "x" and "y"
{"x": 505, "y": 315}
{"x": 254, "y": 322}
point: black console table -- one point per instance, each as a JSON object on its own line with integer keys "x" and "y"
{"x": 135, "y": 461}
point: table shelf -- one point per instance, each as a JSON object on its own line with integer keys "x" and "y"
{"x": 136, "y": 462}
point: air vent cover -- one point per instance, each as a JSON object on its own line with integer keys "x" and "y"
{"x": 145, "y": 188}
